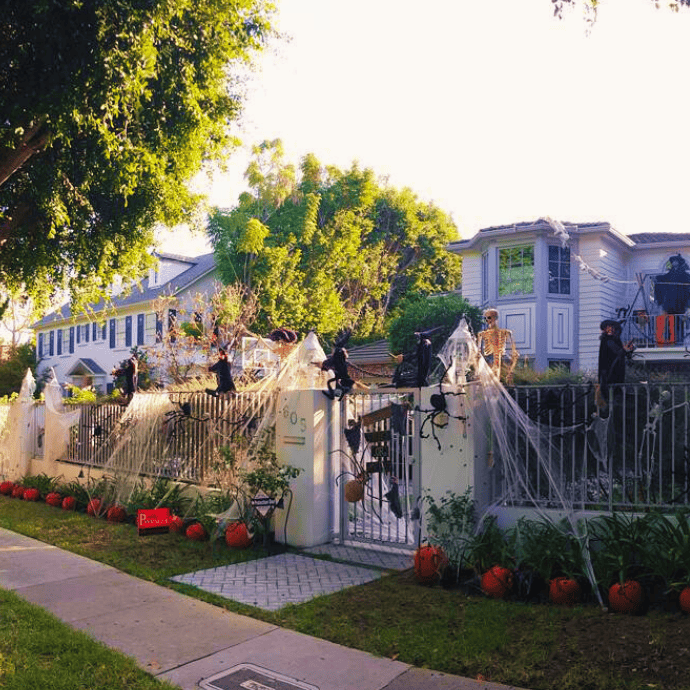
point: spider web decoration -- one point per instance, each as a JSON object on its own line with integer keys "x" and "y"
{"x": 532, "y": 467}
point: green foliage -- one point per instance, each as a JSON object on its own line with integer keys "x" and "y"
{"x": 108, "y": 110}
{"x": 548, "y": 548}
{"x": 490, "y": 546}
{"x": 163, "y": 493}
{"x": 144, "y": 379}
{"x": 79, "y": 395}
{"x": 42, "y": 482}
{"x": 13, "y": 369}
{"x": 326, "y": 248}
{"x": 419, "y": 312}
{"x": 450, "y": 524}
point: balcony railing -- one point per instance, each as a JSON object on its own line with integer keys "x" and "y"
{"x": 657, "y": 330}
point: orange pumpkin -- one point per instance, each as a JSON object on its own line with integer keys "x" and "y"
{"x": 196, "y": 532}
{"x": 564, "y": 591}
{"x": 237, "y": 536}
{"x": 116, "y": 513}
{"x": 497, "y": 582}
{"x": 31, "y": 494}
{"x": 627, "y": 597}
{"x": 54, "y": 499}
{"x": 429, "y": 562}
{"x": 684, "y": 599}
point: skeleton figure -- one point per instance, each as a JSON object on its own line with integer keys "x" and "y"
{"x": 492, "y": 343}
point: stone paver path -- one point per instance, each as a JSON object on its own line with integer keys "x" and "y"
{"x": 273, "y": 582}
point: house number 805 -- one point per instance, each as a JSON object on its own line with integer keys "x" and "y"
{"x": 294, "y": 419}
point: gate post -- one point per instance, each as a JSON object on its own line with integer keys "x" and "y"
{"x": 453, "y": 456}
{"x": 303, "y": 423}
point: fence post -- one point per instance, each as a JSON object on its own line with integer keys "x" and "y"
{"x": 303, "y": 423}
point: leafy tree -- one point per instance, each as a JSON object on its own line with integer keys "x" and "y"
{"x": 108, "y": 109}
{"x": 325, "y": 248}
{"x": 13, "y": 369}
{"x": 421, "y": 313}
{"x": 196, "y": 327}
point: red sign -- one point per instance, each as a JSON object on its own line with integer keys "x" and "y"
{"x": 153, "y": 521}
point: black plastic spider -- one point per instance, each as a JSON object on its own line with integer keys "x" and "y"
{"x": 439, "y": 406}
{"x": 178, "y": 418}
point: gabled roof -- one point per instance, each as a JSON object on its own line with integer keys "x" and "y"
{"x": 88, "y": 364}
{"x": 371, "y": 353}
{"x": 199, "y": 266}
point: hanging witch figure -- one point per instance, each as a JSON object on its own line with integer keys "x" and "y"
{"x": 337, "y": 363}
{"x": 414, "y": 367}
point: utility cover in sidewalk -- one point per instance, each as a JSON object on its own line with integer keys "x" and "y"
{"x": 250, "y": 677}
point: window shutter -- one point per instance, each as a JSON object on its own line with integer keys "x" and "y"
{"x": 51, "y": 343}
{"x": 71, "y": 339}
{"x": 59, "y": 342}
{"x": 140, "y": 329}
{"x": 94, "y": 331}
{"x": 128, "y": 331}
{"x": 78, "y": 334}
{"x": 113, "y": 325}
{"x": 103, "y": 328}
{"x": 86, "y": 333}
{"x": 40, "y": 345}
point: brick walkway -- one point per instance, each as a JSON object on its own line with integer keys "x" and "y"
{"x": 273, "y": 582}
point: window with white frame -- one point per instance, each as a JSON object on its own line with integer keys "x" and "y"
{"x": 150, "y": 330}
{"x": 485, "y": 277}
{"x": 120, "y": 333}
{"x": 516, "y": 270}
{"x": 559, "y": 270}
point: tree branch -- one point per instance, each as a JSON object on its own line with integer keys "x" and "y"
{"x": 11, "y": 159}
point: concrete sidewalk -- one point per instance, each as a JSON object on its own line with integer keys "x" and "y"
{"x": 193, "y": 644}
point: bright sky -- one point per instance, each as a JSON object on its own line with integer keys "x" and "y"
{"x": 494, "y": 110}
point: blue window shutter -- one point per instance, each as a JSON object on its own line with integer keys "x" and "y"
{"x": 103, "y": 329}
{"x": 159, "y": 328}
{"x": 140, "y": 329}
{"x": 71, "y": 339}
{"x": 51, "y": 343}
{"x": 113, "y": 324}
{"x": 59, "y": 342}
{"x": 94, "y": 331}
{"x": 128, "y": 331}
{"x": 78, "y": 335}
{"x": 86, "y": 333}
{"x": 40, "y": 345}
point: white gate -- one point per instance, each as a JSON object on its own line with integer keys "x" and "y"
{"x": 380, "y": 451}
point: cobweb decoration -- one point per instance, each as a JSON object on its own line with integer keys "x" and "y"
{"x": 522, "y": 449}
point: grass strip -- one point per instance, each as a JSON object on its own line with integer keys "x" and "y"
{"x": 39, "y": 651}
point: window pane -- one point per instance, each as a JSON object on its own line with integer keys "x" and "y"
{"x": 516, "y": 270}
{"x": 559, "y": 270}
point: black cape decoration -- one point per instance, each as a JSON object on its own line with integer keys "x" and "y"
{"x": 672, "y": 289}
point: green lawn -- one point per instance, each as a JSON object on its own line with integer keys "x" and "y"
{"x": 540, "y": 647}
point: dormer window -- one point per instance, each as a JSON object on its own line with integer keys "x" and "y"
{"x": 154, "y": 277}
{"x": 116, "y": 285}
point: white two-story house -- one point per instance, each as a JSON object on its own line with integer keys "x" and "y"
{"x": 553, "y": 284}
{"x": 84, "y": 348}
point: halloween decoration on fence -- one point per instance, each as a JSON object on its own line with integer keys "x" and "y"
{"x": 337, "y": 363}
{"x": 492, "y": 343}
{"x": 438, "y": 416}
{"x": 223, "y": 375}
{"x": 414, "y": 367}
{"x": 613, "y": 354}
{"x": 175, "y": 421}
